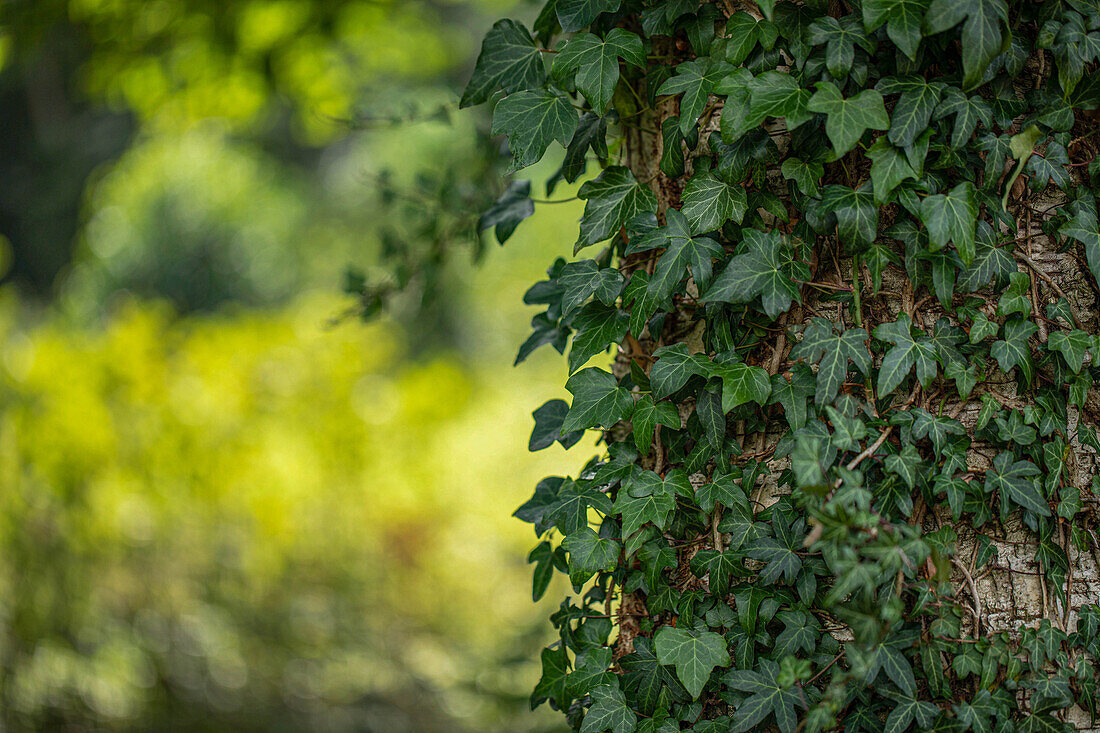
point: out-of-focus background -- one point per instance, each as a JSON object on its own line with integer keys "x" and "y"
{"x": 227, "y": 503}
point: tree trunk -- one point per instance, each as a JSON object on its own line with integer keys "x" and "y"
{"x": 1009, "y": 593}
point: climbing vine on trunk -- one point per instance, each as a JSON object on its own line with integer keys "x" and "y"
{"x": 846, "y": 255}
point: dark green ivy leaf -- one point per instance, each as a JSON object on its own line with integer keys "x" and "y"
{"x": 952, "y": 217}
{"x": 695, "y": 654}
{"x": 647, "y": 415}
{"x": 832, "y": 351}
{"x": 755, "y": 273}
{"x": 548, "y": 422}
{"x": 696, "y": 80}
{"x": 889, "y": 167}
{"x": 903, "y": 20}
{"x": 856, "y": 214}
{"x": 1016, "y": 481}
{"x": 848, "y": 119}
{"x": 709, "y": 203}
{"x": 598, "y": 400}
{"x": 611, "y": 200}
{"x": 573, "y": 15}
{"x": 589, "y": 554}
{"x": 598, "y": 328}
{"x": 609, "y": 711}
{"x": 792, "y": 393}
{"x": 906, "y": 353}
{"x": 984, "y": 33}
{"x": 509, "y": 60}
{"x": 1014, "y": 350}
{"x": 595, "y": 63}
{"x": 531, "y": 120}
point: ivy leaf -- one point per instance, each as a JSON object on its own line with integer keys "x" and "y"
{"x": 848, "y": 119}
{"x": 673, "y": 369}
{"x": 696, "y": 80}
{"x": 645, "y": 679}
{"x": 709, "y": 203}
{"x": 1016, "y": 481}
{"x": 1014, "y": 350}
{"x": 905, "y": 464}
{"x": 682, "y": 251}
{"x": 720, "y": 566}
{"x": 598, "y": 328}
{"x": 595, "y": 63}
{"x": 832, "y": 351}
{"x": 781, "y": 559}
{"x": 983, "y": 33}
{"x": 755, "y": 273}
{"x": 573, "y": 15}
{"x": 840, "y": 38}
{"x": 1050, "y": 167}
{"x": 1016, "y": 297}
{"x": 1083, "y": 227}
{"x": 647, "y": 416}
{"x": 913, "y": 111}
{"x": 694, "y": 653}
{"x": 591, "y": 133}
{"x": 610, "y": 201}
{"x": 548, "y": 422}
{"x": 546, "y": 330}
{"x": 531, "y": 120}
{"x": 889, "y": 168}
{"x": 591, "y": 670}
{"x": 990, "y": 261}
{"x": 936, "y": 427}
{"x": 1071, "y": 345}
{"x": 589, "y": 554}
{"x": 774, "y": 94}
{"x": 708, "y": 408}
{"x": 968, "y": 111}
{"x": 513, "y": 206}
{"x": 847, "y": 431}
{"x": 767, "y": 696}
{"x": 583, "y": 279}
{"x": 902, "y": 18}
{"x": 648, "y": 498}
{"x": 952, "y": 217}
{"x": 898, "y": 669}
{"x": 722, "y": 490}
{"x": 743, "y": 32}
{"x": 508, "y": 60}
{"x": 793, "y": 392}
{"x": 609, "y": 711}
{"x": 805, "y": 175}
{"x": 741, "y": 384}
{"x": 569, "y": 512}
{"x": 906, "y": 353}
{"x": 855, "y": 211}
{"x": 598, "y": 400}
{"x": 552, "y": 683}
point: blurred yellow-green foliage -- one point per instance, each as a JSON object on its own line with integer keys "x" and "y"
{"x": 219, "y": 509}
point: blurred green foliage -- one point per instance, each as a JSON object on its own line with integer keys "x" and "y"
{"x": 222, "y": 506}
{"x": 251, "y": 522}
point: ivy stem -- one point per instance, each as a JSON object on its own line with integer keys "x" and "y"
{"x": 857, "y": 312}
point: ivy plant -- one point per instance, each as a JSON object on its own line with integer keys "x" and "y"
{"x": 845, "y": 256}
